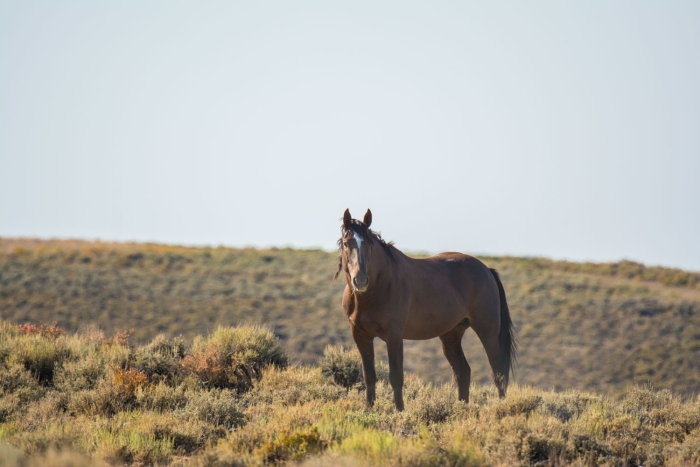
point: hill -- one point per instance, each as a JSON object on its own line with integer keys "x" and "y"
{"x": 584, "y": 326}
{"x": 231, "y": 399}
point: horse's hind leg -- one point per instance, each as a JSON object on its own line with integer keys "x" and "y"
{"x": 492, "y": 345}
{"x": 452, "y": 348}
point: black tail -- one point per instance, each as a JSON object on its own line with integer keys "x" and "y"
{"x": 506, "y": 336}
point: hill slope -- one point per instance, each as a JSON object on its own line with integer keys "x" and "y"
{"x": 599, "y": 327}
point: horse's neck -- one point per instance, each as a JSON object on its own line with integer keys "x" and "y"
{"x": 385, "y": 270}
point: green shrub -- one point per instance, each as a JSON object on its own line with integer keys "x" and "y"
{"x": 343, "y": 366}
{"x": 434, "y": 405}
{"x": 80, "y": 374}
{"x": 102, "y": 401}
{"x": 161, "y": 397}
{"x": 218, "y": 407}
{"x": 9, "y": 405}
{"x": 234, "y": 357}
{"x": 645, "y": 399}
{"x": 539, "y": 448}
{"x": 290, "y": 386}
{"x": 44, "y": 411}
{"x": 16, "y": 379}
{"x": 516, "y": 405}
{"x": 292, "y": 446}
{"x": 115, "y": 393}
{"x": 40, "y": 355}
{"x": 129, "y": 440}
{"x": 161, "y": 360}
{"x": 384, "y": 449}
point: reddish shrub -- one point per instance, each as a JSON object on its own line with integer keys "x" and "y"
{"x": 43, "y": 330}
{"x": 126, "y": 380}
{"x": 215, "y": 368}
{"x": 120, "y": 338}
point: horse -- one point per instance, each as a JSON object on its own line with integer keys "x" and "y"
{"x": 394, "y": 297}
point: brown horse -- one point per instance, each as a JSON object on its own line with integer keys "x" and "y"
{"x": 394, "y": 297}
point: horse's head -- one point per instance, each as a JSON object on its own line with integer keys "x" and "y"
{"x": 355, "y": 246}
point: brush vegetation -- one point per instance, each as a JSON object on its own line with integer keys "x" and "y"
{"x": 232, "y": 399}
{"x": 585, "y": 326}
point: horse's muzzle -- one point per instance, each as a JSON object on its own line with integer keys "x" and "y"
{"x": 361, "y": 284}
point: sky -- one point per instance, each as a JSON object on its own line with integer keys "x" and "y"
{"x": 568, "y": 130}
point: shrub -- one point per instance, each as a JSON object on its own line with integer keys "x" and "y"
{"x": 645, "y": 399}
{"x": 435, "y": 405}
{"x": 99, "y": 401}
{"x": 233, "y": 357}
{"x": 39, "y": 355}
{"x": 120, "y": 338}
{"x": 121, "y": 441}
{"x": 517, "y": 404}
{"x": 9, "y": 405}
{"x": 150, "y": 437}
{"x": 343, "y": 366}
{"x": 218, "y": 407}
{"x": 50, "y": 332}
{"x": 254, "y": 347}
{"x": 291, "y": 386}
{"x": 113, "y": 394}
{"x": 384, "y": 449}
{"x": 89, "y": 362}
{"x": 125, "y": 381}
{"x": 217, "y": 369}
{"x": 538, "y": 448}
{"x": 77, "y": 375}
{"x": 161, "y": 397}
{"x": 161, "y": 360}
{"x": 41, "y": 413}
{"x": 292, "y": 446}
{"x": 16, "y": 379}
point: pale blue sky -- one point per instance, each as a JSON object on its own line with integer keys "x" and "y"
{"x": 560, "y": 129}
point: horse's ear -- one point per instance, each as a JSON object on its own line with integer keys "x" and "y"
{"x": 368, "y": 218}
{"x": 347, "y": 219}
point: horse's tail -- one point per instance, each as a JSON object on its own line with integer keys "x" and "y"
{"x": 507, "y": 340}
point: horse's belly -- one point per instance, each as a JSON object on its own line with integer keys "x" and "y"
{"x": 429, "y": 323}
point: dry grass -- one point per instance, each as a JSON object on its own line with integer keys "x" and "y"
{"x": 119, "y": 410}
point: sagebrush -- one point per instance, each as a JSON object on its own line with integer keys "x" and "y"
{"x": 107, "y": 401}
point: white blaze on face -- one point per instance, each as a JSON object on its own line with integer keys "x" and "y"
{"x": 358, "y": 239}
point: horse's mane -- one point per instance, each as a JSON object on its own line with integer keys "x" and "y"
{"x": 366, "y": 233}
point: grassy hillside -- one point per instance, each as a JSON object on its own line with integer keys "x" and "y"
{"x": 584, "y": 326}
{"x": 231, "y": 399}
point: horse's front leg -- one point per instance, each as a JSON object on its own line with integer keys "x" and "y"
{"x": 394, "y": 346}
{"x": 365, "y": 344}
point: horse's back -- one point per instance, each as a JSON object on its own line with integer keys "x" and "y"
{"x": 449, "y": 287}
{"x": 470, "y": 268}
